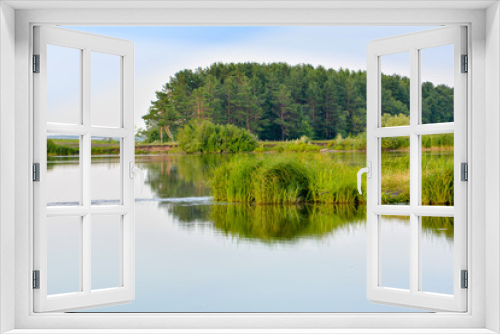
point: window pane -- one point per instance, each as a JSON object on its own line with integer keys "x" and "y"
{"x": 395, "y": 89}
{"x": 437, "y": 170}
{"x": 395, "y": 251}
{"x": 105, "y": 90}
{"x": 63, "y": 170}
{"x": 106, "y": 171}
{"x": 437, "y": 254}
{"x": 63, "y": 254}
{"x": 63, "y": 85}
{"x": 106, "y": 251}
{"x": 395, "y": 170}
{"x": 437, "y": 78}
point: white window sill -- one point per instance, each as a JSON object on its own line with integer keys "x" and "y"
{"x": 250, "y": 331}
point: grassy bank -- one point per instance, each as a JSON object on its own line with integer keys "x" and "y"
{"x": 68, "y": 147}
{"x": 315, "y": 178}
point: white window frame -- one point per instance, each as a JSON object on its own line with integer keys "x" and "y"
{"x": 484, "y": 102}
{"x": 375, "y": 133}
{"x": 86, "y": 44}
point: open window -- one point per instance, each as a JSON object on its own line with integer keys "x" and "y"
{"x": 84, "y": 240}
{"x": 408, "y": 237}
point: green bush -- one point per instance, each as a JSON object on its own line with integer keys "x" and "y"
{"x": 205, "y": 137}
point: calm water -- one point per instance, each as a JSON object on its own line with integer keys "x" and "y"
{"x": 193, "y": 255}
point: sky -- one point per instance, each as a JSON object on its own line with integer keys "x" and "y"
{"x": 160, "y": 52}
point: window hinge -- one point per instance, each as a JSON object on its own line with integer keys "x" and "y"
{"x": 464, "y": 171}
{"x": 36, "y": 279}
{"x": 36, "y": 172}
{"x": 465, "y": 64}
{"x": 465, "y": 279}
{"x": 36, "y": 63}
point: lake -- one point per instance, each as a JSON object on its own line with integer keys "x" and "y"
{"x": 194, "y": 255}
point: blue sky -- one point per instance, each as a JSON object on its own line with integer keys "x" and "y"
{"x": 162, "y": 51}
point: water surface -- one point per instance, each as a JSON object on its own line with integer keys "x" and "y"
{"x": 194, "y": 255}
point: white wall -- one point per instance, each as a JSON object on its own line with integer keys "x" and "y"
{"x": 7, "y": 191}
{"x": 492, "y": 146}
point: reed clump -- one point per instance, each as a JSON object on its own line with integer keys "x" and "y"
{"x": 437, "y": 180}
{"x": 315, "y": 178}
{"x": 285, "y": 180}
{"x": 263, "y": 181}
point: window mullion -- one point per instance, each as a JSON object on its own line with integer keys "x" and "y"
{"x": 85, "y": 157}
{"x": 414, "y": 170}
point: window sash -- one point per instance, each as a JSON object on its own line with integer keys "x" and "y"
{"x": 86, "y": 297}
{"x": 413, "y": 43}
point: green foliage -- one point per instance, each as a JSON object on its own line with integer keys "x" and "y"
{"x": 287, "y": 179}
{"x": 437, "y": 180}
{"x": 395, "y": 119}
{"x": 442, "y": 141}
{"x": 277, "y": 101}
{"x": 293, "y": 178}
{"x": 335, "y": 184}
{"x": 68, "y": 147}
{"x": 250, "y": 179}
{"x": 395, "y": 143}
{"x": 395, "y": 173}
{"x": 60, "y": 150}
{"x": 204, "y": 136}
{"x": 357, "y": 143}
{"x": 297, "y": 146}
{"x": 281, "y": 181}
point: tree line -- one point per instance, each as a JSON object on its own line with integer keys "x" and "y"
{"x": 278, "y": 101}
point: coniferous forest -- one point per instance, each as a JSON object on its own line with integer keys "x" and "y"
{"x": 277, "y": 101}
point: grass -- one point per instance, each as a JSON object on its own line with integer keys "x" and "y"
{"x": 285, "y": 180}
{"x": 315, "y": 178}
{"x": 68, "y": 147}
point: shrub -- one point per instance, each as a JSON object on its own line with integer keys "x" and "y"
{"x": 205, "y": 137}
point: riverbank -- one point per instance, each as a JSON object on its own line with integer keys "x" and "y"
{"x": 63, "y": 146}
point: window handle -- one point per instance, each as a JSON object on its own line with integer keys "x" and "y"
{"x": 368, "y": 171}
{"x": 133, "y": 170}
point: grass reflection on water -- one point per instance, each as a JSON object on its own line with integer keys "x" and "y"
{"x": 288, "y": 223}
